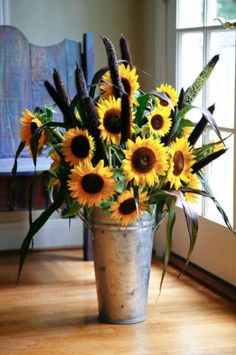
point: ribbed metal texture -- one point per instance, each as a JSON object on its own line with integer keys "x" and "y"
{"x": 122, "y": 259}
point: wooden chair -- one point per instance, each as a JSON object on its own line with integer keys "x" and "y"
{"x": 23, "y": 69}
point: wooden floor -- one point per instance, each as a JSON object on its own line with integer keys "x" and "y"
{"x": 54, "y": 311}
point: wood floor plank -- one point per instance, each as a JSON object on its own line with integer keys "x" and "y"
{"x": 54, "y": 311}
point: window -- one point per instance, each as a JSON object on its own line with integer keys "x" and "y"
{"x": 200, "y": 36}
{"x": 187, "y": 36}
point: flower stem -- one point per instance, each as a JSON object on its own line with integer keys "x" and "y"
{"x": 58, "y": 134}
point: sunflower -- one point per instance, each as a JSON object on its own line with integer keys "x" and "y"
{"x": 77, "y": 146}
{"x": 170, "y": 92}
{"x": 217, "y": 146}
{"x": 30, "y": 124}
{"x": 159, "y": 120}
{"x": 187, "y": 131}
{"x": 129, "y": 80}
{"x": 181, "y": 160}
{"x": 109, "y": 111}
{"x": 90, "y": 185}
{"x": 193, "y": 183}
{"x": 145, "y": 160}
{"x": 56, "y": 160}
{"x": 126, "y": 209}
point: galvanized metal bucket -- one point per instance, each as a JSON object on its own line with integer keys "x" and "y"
{"x": 122, "y": 260}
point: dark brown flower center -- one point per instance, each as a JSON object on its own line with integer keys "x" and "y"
{"x": 157, "y": 122}
{"x": 164, "y": 102}
{"x": 33, "y": 127}
{"x": 92, "y": 183}
{"x": 128, "y": 206}
{"x": 112, "y": 121}
{"x": 178, "y": 160}
{"x": 127, "y": 86}
{"x": 143, "y": 160}
{"x": 80, "y": 146}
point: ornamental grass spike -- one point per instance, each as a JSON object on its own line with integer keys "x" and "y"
{"x": 125, "y": 51}
{"x": 56, "y": 98}
{"x": 205, "y": 161}
{"x": 125, "y": 118}
{"x": 91, "y": 123}
{"x": 60, "y": 87}
{"x": 194, "y": 89}
{"x": 200, "y": 126}
{"x": 80, "y": 83}
{"x": 113, "y": 67}
{"x": 60, "y": 97}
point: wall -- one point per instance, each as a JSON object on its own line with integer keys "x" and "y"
{"x": 46, "y": 22}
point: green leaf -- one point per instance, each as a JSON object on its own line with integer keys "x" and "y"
{"x": 139, "y": 116}
{"x": 36, "y": 225}
{"x": 191, "y": 218}
{"x": 72, "y": 209}
{"x": 118, "y": 174}
{"x": 18, "y": 153}
{"x": 170, "y": 202}
{"x": 208, "y": 193}
{"x": 180, "y": 122}
{"x": 198, "y": 84}
{"x": 160, "y": 213}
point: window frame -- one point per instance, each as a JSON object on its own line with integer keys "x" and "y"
{"x": 206, "y": 30}
{"x": 214, "y": 250}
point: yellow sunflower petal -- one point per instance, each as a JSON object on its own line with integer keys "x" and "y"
{"x": 109, "y": 111}
{"x": 181, "y": 160}
{"x": 30, "y": 123}
{"x": 193, "y": 183}
{"x": 77, "y": 146}
{"x": 170, "y": 92}
{"x": 91, "y": 185}
{"x": 129, "y": 80}
{"x": 159, "y": 121}
{"x": 145, "y": 161}
{"x": 125, "y": 208}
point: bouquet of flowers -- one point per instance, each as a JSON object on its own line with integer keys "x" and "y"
{"x": 121, "y": 149}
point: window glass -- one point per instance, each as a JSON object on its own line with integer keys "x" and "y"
{"x": 190, "y": 13}
{"x": 225, "y": 10}
{"x": 190, "y": 57}
{"x": 220, "y": 175}
{"x": 221, "y": 86}
{"x": 190, "y": 65}
{"x": 195, "y": 47}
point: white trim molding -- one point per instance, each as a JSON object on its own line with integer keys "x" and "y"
{"x": 4, "y": 12}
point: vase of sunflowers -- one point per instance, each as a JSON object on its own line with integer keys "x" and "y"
{"x": 121, "y": 151}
